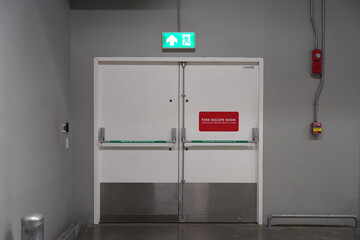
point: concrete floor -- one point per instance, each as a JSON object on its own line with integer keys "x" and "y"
{"x": 214, "y": 232}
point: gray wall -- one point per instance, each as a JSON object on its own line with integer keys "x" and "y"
{"x": 35, "y": 168}
{"x": 301, "y": 175}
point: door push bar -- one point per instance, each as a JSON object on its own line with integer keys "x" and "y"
{"x": 255, "y": 139}
{"x": 102, "y": 138}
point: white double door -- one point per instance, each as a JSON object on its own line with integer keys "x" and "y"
{"x": 210, "y": 173}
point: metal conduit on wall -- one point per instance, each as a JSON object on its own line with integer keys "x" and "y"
{"x": 322, "y": 79}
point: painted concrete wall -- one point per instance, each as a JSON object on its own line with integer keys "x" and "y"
{"x": 302, "y": 175}
{"x": 35, "y": 168}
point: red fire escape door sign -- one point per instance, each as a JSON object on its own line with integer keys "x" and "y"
{"x": 218, "y": 121}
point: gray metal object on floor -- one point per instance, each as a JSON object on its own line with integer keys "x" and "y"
{"x": 32, "y": 227}
{"x": 272, "y": 216}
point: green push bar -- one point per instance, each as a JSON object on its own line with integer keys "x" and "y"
{"x": 102, "y": 138}
{"x": 134, "y": 141}
{"x": 220, "y": 141}
{"x": 255, "y": 138}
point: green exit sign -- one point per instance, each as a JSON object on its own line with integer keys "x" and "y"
{"x": 178, "y": 40}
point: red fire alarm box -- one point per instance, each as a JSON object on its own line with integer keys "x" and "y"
{"x": 317, "y": 61}
{"x": 317, "y": 55}
{"x": 316, "y": 128}
{"x": 316, "y": 67}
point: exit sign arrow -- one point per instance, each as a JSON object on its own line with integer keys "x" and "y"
{"x": 178, "y": 40}
{"x": 172, "y": 40}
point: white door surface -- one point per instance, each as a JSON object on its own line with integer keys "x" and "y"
{"x": 221, "y": 159}
{"x": 138, "y": 173}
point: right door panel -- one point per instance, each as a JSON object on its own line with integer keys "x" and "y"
{"x": 220, "y": 177}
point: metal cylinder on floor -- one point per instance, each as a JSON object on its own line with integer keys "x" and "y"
{"x": 32, "y": 227}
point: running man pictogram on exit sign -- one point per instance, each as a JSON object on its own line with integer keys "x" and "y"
{"x": 178, "y": 40}
{"x": 218, "y": 121}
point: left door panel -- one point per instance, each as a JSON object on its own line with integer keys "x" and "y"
{"x": 138, "y": 171}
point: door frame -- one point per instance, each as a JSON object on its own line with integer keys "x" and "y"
{"x": 111, "y": 60}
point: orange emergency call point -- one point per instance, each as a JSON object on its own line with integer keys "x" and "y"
{"x": 316, "y": 128}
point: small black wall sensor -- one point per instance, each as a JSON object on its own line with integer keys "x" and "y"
{"x": 65, "y": 127}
